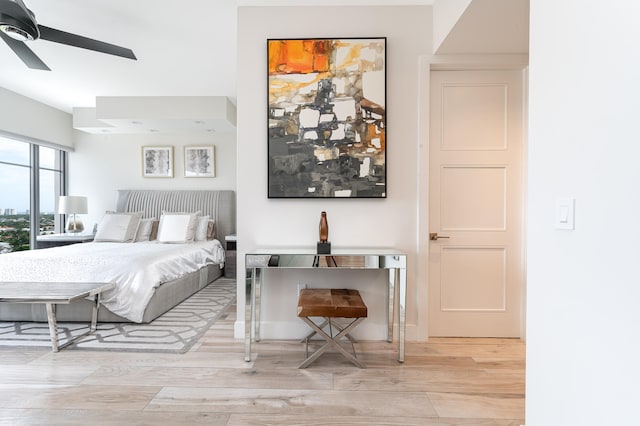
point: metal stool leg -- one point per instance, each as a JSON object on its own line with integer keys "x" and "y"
{"x": 322, "y": 326}
{"x": 331, "y": 341}
{"x": 313, "y": 333}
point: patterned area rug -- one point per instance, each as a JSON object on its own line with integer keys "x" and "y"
{"x": 173, "y": 332}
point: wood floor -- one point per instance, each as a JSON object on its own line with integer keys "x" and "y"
{"x": 443, "y": 382}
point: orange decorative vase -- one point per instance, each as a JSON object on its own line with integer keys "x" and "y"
{"x": 324, "y": 246}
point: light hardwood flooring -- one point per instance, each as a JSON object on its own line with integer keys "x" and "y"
{"x": 443, "y": 382}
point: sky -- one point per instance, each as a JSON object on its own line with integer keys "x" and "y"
{"x": 14, "y": 177}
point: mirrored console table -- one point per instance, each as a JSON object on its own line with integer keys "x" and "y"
{"x": 395, "y": 262}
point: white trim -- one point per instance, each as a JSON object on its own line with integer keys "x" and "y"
{"x": 298, "y": 3}
{"x": 477, "y": 62}
{"x": 29, "y": 139}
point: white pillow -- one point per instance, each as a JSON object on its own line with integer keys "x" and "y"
{"x": 177, "y": 227}
{"x": 118, "y": 227}
{"x": 201, "y": 228}
{"x": 144, "y": 229}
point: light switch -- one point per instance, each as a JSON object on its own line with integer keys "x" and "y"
{"x": 565, "y": 213}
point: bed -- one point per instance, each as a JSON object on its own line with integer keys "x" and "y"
{"x": 168, "y": 286}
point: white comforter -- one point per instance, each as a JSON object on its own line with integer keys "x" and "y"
{"x": 136, "y": 268}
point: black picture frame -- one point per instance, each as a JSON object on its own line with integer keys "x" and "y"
{"x": 327, "y": 120}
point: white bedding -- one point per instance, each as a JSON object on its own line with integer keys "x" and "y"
{"x": 136, "y": 268}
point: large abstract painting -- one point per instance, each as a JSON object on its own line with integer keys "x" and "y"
{"x": 327, "y": 118}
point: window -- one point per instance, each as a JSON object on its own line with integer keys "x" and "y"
{"x": 32, "y": 177}
{"x": 51, "y": 181}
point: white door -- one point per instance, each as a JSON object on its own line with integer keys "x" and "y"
{"x": 475, "y": 200}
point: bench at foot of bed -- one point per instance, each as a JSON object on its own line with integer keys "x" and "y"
{"x": 53, "y": 294}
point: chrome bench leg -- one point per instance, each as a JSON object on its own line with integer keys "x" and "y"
{"x": 53, "y": 326}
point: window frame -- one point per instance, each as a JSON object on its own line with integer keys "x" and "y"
{"x": 61, "y": 184}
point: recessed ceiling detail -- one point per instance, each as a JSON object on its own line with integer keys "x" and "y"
{"x": 157, "y": 114}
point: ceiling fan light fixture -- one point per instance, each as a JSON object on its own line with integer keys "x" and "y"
{"x": 16, "y": 33}
{"x": 19, "y": 24}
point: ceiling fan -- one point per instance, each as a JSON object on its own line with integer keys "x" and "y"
{"x": 18, "y": 24}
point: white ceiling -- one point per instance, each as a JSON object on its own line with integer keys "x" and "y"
{"x": 188, "y": 48}
{"x": 490, "y": 26}
{"x": 184, "y": 48}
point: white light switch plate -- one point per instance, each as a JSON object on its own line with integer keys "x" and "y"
{"x": 565, "y": 213}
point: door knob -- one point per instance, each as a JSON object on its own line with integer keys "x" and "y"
{"x": 433, "y": 236}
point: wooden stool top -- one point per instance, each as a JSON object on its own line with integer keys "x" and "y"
{"x": 331, "y": 303}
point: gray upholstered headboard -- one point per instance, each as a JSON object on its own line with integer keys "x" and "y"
{"x": 219, "y": 205}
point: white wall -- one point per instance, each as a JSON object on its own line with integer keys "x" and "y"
{"x": 102, "y": 164}
{"x": 583, "y": 286}
{"x": 24, "y": 116}
{"x": 445, "y": 15}
{"x": 387, "y": 222}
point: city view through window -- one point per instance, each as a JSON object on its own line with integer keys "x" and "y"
{"x": 17, "y": 159}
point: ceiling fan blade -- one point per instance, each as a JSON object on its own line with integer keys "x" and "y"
{"x": 16, "y": 10}
{"x": 28, "y": 57}
{"x": 21, "y": 3}
{"x": 75, "y": 40}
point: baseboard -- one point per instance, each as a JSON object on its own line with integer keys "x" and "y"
{"x": 288, "y": 331}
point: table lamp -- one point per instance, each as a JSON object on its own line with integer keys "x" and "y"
{"x": 72, "y": 205}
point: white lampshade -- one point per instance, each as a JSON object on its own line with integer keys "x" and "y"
{"x": 73, "y": 205}
{"x": 68, "y": 204}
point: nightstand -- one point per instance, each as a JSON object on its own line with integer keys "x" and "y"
{"x": 230, "y": 257}
{"x": 56, "y": 240}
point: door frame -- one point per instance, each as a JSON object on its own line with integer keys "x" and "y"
{"x": 428, "y": 63}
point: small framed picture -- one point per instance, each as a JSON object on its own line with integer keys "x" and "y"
{"x": 199, "y": 161}
{"x": 157, "y": 161}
